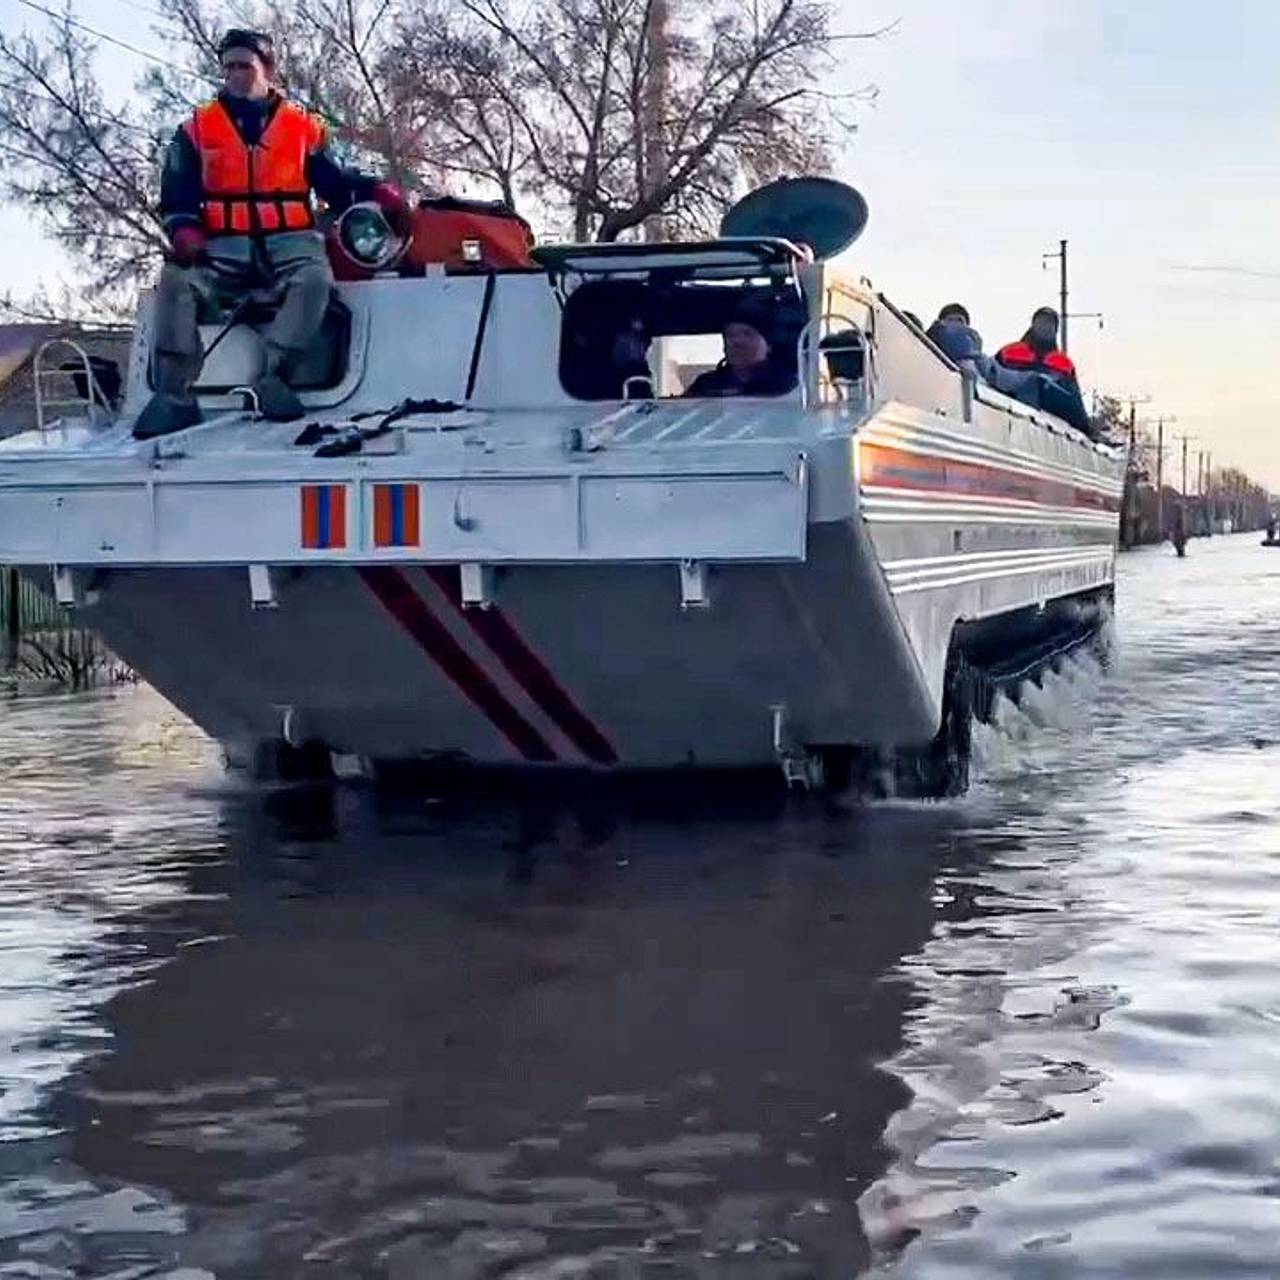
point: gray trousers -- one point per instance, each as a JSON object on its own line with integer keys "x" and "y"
{"x": 289, "y": 267}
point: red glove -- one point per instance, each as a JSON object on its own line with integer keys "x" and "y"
{"x": 390, "y": 199}
{"x": 188, "y": 245}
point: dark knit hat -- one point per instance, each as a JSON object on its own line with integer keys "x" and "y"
{"x": 257, "y": 42}
{"x": 757, "y": 313}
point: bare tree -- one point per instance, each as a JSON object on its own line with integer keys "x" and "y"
{"x": 612, "y": 112}
{"x": 82, "y": 167}
{"x": 608, "y": 117}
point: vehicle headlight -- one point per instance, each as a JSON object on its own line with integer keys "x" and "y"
{"x": 367, "y": 236}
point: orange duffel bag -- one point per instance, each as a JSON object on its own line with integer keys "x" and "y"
{"x": 466, "y": 235}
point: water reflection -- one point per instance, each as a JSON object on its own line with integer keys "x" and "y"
{"x": 323, "y": 1032}
{"x": 1091, "y": 1067}
{"x": 388, "y": 1051}
{"x": 102, "y": 821}
{"x": 396, "y": 1037}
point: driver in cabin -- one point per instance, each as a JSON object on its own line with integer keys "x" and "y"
{"x": 749, "y": 367}
{"x": 236, "y": 196}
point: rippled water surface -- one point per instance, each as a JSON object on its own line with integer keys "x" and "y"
{"x": 318, "y": 1033}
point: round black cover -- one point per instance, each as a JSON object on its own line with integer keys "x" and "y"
{"x": 823, "y": 214}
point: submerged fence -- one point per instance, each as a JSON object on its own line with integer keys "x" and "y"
{"x": 25, "y": 608}
{"x": 40, "y": 640}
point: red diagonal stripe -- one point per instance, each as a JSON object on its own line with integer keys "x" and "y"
{"x": 414, "y": 615}
{"x": 528, "y": 670}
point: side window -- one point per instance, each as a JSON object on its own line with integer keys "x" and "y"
{"x": 605, "y": 341}
{"x": 641, "y": 338}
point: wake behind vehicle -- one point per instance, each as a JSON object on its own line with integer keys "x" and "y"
{"x": 464, "y": 553}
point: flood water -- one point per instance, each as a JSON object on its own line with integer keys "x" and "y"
{"x": 320, "y": 1033}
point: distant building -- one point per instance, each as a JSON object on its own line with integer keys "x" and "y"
{"x": 18, "y": 346}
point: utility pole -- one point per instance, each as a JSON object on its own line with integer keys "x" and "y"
{"x": 1200, "y": 489}
{"x": 1133, "y": 401}
{"x": 1183, "y": 494}
{"x": 1063, "y": 314}
{"x": 1061, "y": 256}
{"x": 1161, "y": 422}
{"x": 1129, "y": 505}
{"x": 1160, "y": 480}
{"x": 1129, "y": 501}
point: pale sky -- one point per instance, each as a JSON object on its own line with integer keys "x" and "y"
{"x": 1144, "y": 131}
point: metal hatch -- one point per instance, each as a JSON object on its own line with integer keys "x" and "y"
{"x": 823, "y": 215}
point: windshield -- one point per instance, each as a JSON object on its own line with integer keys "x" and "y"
{"x": 632, "y": 337}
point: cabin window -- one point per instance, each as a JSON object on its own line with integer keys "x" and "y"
{"x": 645, "y": 337}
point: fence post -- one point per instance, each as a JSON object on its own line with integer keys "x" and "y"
{"x": 13, "y": 620}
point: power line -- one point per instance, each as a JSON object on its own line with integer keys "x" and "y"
{"x": 1226, "y": 269}
{"x": 122, "y": 44}
{"x": 155, "y": 57}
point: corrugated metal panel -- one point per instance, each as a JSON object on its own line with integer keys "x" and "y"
{"x": 705, "y": 421}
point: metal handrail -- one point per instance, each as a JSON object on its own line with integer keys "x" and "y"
{"x": 645, "y": 378}
{"x": 807, "y": 357}
{"x": 90, "y": 403}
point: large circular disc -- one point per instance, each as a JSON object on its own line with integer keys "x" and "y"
{"x": 826, "y": 215}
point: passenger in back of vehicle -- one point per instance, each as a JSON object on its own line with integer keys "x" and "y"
{"x": 1036, "y": 372}
{"x": 953, "y": 335}
{"x": 953, "y": 315}
{"x": 1037, "y": 351}
{"x": 750, "y": 366}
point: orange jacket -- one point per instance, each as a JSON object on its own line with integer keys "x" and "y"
{"x": 260, "y": 189}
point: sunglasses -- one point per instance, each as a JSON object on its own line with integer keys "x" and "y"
{"x": 238, "y": 65}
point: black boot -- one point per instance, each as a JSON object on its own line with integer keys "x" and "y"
{"x": 277, "y": 400}
{"x": 164, "y": 414}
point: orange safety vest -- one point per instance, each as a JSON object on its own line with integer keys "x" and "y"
{"x": 1022, "y": 355}
{"x": 251, "y": 190}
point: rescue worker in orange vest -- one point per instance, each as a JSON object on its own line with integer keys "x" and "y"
{"x": 236, "y": 196}
{"x": 1049, "y": 375}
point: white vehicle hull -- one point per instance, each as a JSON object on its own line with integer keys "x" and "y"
{"x": 653, "y": 584}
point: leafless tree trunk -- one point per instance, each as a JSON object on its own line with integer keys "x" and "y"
{"x": 656, "y": 101}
